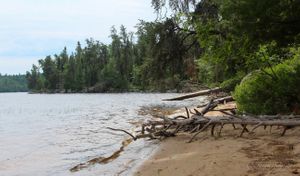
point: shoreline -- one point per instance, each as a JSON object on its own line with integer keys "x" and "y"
{"x": 260, "y": 153}
{"x": 109, "y": 92}
{"x": 91, "y": 90}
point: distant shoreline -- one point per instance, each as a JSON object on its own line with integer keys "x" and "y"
{"x": 170, "y": 91}
{"x": 15, "y": 92}
{"x": 91, "y": 90}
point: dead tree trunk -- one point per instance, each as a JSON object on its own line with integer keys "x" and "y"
{"x": 198, "y": 123}
{"x": 195, "y": 94}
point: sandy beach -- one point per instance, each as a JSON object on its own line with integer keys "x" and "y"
{"x": 259, "y": 153}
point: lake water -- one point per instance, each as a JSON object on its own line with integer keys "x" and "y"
{"x": 47, "y": 134}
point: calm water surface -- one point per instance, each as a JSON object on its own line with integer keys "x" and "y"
{"x": 45, "y": 135}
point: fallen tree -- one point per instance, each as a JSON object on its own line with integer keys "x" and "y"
{"x": 195, "y": 121}
{"x": 195, "y": 94}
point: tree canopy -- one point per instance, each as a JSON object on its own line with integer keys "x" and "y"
{"x": 207, "y": 42}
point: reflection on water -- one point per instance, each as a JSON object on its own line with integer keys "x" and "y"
{"x": 44, "y": 134}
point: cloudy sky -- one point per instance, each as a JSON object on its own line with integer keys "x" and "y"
{"x": 32, "y": 29}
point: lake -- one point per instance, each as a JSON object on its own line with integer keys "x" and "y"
{"x": 47, "y": 134}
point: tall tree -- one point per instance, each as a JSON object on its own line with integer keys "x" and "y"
{"x": 34, "y": 79}
{"x": 50, "y": 72}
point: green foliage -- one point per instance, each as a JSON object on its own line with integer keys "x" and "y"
{"x": 161, "y": 57}
{"x": 233, "y": 33}
{"x": 263, "y": 20}
{"x": 165, "y": 54}
{"x": 50, "y": 73}
{"x": 273, "y": 90}
{"x": 34, "y": 79}
{"x": 230, "y": 84}
{"x": 13, "y": 83}
{"x": 212, "y": 42}
{"x": 110, "y": 80}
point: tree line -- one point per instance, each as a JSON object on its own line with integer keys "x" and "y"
{"x": 13, "y": 83}
{"x": 158, "y": 60}
{"x": 210, "y": 42}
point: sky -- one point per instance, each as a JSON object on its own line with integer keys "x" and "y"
{"x": 33, "y": 29}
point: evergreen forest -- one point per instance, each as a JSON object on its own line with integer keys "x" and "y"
{"x": 232, "y": 44}
{"x": 13, "y": 83}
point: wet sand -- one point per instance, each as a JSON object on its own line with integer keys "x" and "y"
{"x": 260, "y": 153}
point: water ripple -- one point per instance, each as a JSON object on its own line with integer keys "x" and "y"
{"x": 60, "y": 131}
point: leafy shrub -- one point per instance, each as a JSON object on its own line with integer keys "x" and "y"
{"x": 230, "y": 84}
{"x": 272, "y": 90}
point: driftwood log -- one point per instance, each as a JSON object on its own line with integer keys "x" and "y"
{"x": 196, "y": 121}
{"x": 195, "y": 124}
{"x": 167, "y": 127}
{"x": 195, "y": 94}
